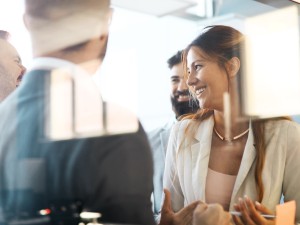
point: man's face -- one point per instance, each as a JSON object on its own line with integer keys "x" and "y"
{"x": 180, "y": 96}
{"x": 11, "y": 69}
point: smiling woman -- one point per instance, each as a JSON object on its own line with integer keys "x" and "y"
{"x": 258, "y": 159}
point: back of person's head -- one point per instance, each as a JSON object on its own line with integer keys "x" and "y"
{"x": 58, "y": 24}
{"x": 175, "y": 59}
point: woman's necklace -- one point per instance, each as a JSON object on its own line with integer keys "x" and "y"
{"x": 234, "y": 138}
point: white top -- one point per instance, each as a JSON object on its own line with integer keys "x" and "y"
{"x": 219, "y": 187}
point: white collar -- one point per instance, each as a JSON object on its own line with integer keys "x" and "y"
{"x": 50, "y": 63}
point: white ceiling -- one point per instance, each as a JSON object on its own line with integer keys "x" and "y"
{"x": 277, "y": 3}
{"x": 155, "y": 7}
{"x": 187, "y": 9}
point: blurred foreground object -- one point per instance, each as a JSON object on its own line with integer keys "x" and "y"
{"x": 270, "y": 82}
{"x": 84, "y": 114}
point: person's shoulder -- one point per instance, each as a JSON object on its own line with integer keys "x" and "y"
{"x": 158, "y": 130}
{"x": 283, "y": 127}
{"x": 154, "y": 133}
{"x": 282, "y": 124}
{"x": 180, "y": 127}
{"x": 285, "y": 133}
{"x": 182, "y": 124}
{"x": 9, "y": 103}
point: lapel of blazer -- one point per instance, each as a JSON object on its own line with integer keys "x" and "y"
{"x": 246, "y": 164}
{"x": 200, "y": 152}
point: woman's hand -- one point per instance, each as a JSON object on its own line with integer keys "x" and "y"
{"x": 182, "y": 217}
{"x": 251, "y": 213}
{"x": 211, "y": 214}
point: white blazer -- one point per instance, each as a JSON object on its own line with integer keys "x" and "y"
{"x": 186, "y": 165}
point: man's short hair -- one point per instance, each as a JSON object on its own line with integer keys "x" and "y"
{"x": 175, "y": 59}
{"x": 5, "y": 35}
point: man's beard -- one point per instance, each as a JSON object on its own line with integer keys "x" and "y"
{"x": 181, "y": 108}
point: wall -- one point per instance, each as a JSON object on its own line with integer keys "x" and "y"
{"x": 138, "y": 49}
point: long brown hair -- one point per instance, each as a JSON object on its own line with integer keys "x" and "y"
{"x": 221, "y": 43}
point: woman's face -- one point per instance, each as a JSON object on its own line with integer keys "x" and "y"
{"x": 206, "y": 79}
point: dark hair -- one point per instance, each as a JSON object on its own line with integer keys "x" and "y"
{"x": 221, "y": 43}
{"x": 5, "y": 35}
{"x": 175, "y": 59}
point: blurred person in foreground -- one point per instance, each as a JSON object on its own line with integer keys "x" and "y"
{"x": 11, "y": 68}
{"x": 55, "y": 180}
{"x": 182, "y": 104}
{"x": 46, "y": 181}
{"x": 247, "y": 169}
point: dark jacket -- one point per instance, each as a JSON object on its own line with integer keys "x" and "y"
{"x": 109, "y": 174}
